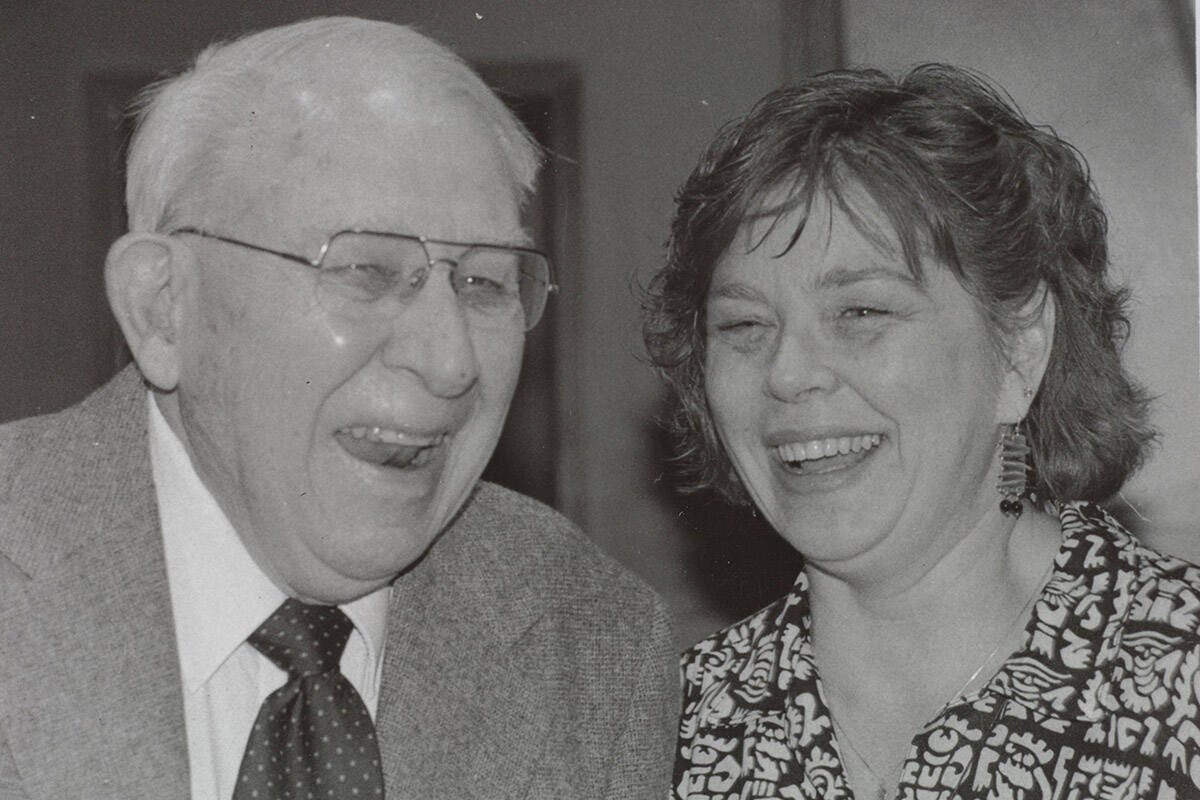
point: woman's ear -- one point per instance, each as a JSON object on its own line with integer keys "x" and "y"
{"x": 1028, "y": 352}
{"x": 145, "y": 275}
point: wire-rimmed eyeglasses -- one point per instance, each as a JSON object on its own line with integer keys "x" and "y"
{"x": 357, "y": 269}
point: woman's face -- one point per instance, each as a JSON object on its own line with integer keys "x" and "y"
{"x": 858, "y": 405}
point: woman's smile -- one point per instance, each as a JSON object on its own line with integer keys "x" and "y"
{"x": 827, "y": 454}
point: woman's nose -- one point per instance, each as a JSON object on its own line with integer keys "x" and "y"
{"x": 799, "y": 365}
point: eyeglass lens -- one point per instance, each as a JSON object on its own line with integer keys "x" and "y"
{"x": 493, "y": 283}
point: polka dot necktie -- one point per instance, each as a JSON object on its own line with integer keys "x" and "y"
{"x": 313, "y": 737}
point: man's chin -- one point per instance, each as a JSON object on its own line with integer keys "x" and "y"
{"x": 341, "y": 588}
{"x": 349, "y": 564}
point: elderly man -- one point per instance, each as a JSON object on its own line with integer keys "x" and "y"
{"x": 262, "y": 564}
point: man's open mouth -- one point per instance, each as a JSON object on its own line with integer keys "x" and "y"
{"x": 386, "y": 447}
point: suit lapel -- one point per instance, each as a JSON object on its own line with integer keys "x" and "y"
{"x": 459, "y": 714}
{"x": 104, "y": 714}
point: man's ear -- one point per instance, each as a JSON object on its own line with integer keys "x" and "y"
{"x": 146, "y": 275}
{"x": 1028, "y": 352}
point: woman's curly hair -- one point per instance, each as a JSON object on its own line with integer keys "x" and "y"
{"x": 964, "y": 180}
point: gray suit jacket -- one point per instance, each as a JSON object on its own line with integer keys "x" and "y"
{"x": 520, "y": 662}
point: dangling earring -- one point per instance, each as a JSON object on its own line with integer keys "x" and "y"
{"x": 1014, "y": 470}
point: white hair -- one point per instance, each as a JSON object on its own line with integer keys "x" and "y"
{"x": 184, "y": 122}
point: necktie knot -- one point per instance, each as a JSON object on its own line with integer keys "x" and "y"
{"x": 313, "y": 736}
{"x": 304, "y": 639}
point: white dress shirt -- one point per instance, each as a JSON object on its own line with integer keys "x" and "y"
{"x": 219, "y": 597}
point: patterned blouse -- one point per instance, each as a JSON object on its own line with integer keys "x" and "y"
{"x": 1101, "y": 702}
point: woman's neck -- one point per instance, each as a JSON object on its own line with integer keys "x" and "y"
{"x": 893, "y": 652}
{"x": 955, "y": 575}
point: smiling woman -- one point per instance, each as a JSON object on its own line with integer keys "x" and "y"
{"x": 881, "y": 295}
{"x": 816, "y": 339}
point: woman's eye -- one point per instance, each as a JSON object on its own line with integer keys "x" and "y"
{"x": 862, "y": 312}
{"x": 741, "y": 324}
{"x": 862, "y": 322}
{"x": 741, "y": 333}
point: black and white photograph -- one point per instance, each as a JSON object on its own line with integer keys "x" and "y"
{"x": 612, "y": 399}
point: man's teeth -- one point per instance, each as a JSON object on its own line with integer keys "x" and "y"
{"x": 795, "y": 452}
{"x": 389, "y": 436}
{"x": 388, "y": 447}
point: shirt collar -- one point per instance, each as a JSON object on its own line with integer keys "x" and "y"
{"x": 1074, "y": 635}
{"x": 219, "y": 595}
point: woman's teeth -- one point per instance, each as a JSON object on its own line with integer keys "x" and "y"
{"x": 796, "y": 452}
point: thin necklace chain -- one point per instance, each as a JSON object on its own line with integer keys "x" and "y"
{"x": 1012, "y": 626}
{"x": 881, "y": 791}
{"x": 881, "y": 787}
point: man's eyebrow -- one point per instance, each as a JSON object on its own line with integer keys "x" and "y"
{"x": 515, "y": 237}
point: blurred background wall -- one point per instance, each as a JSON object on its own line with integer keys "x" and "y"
{"x": 651, "y": 83}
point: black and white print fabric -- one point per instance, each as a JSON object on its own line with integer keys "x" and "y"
{"x": 1101, "y": 702}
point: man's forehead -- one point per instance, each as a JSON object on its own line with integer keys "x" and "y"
{"x": 311, "y": 160}
{"x": 350, "y": 98}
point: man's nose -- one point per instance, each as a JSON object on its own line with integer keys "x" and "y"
{"x": 431, "y": 338}
{"x": 799, "y": 364}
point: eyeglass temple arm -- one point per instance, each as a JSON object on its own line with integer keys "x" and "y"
{"x": 551, "y": 286}
{"x": 315, "y": 263}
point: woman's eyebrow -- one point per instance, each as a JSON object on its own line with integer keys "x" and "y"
{"x": 735, "y": 290}
{"x": 845, "y": 276}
